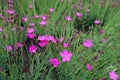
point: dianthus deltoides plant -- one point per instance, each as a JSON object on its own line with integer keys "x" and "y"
{"x": 59, "y": 40}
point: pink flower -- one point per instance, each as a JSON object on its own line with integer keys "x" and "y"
{"x": 43, "y": 43}
{"x": 88, "y": 43}
{"x": 104, "y": 40}
{"x": 1, "y": 29}
{"x": 10, "y": 5}
{"x": 52, "y": 39}
{"x": 31, "y": 24}
{"x": 43, "y": 37}
{"x": 89, "y": 66}
{"x": 36, "y": 16}
{"x": 21, "y": 28}
{"x": 2, "y": 16}
{"x": 14, "y": 29}
{"x": 44, "y": 40}
{"x": 54, "y": 62}
{"x": 30, "y": 6}
{"x": 9, "y": 21}
{"x": 32, "y": 49}
{"x": 62, "y": 0}
{"x": 61, "y": 39}
{"x": 10, "y": 11}
{"x": 30, "y": 30}
{"x": 31, "y": 35}
{"x": 78, "y": 14}
{"x": 66, "y": 56}
{"x": 65, "y": 45}
{"x": 113, "y": 75}
{"x": 25, "y": 19}
{"x": 43, "y": 17}
{"x": 19, "y": 45}
{"x": 68, "y": 18}
{"x": 43, "y": 23}
{"x": 9, "y": 48}
{"x": 51, "y": 9}
{"x": 10, "y": 1}
{"x": 97, "y": 21}
{"x": 101, "y": 31}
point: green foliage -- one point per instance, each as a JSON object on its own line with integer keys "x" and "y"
{"x": 26, "y": 66}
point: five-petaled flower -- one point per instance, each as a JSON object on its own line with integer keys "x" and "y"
{"x": 89, "y": 66}
{"x": 9, "y": 48}
{"x": 68, "y": 18}
{"x": 51, "y": 9}
{"x": 30, "y": 6}
{"x": 32, "y": 49}
{"x": 88, "y": 43}
{"x": 25, "y": 19}
{"x": 30, "y": 30}
{"x": 54, "y": 62}
{"x": 43, "y": 23}
{"x": 10, "y": 11}
{"x": 97, "y": 21}
{"x": 113, "y": 75}
{"x": 66, "y": 56}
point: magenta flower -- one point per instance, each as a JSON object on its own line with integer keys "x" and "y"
{"x": 25, "y": 19}
{"x": 1, "y": 29}
{"x": 43, "y": 23}
{"x": 14, "y": 29}
{"x": 51, "y": 9}
{"x": 66, "y": 56}
{"x": 97, "y": 21}
{"x": 10, "y": 1}
{"x": 9, "y": 48}
{"x": 44, "y": 40}
{"x": 52, "y": 39}
{"x": 30, "y": 6}
{"x": 43, "y": 37}
{"x": 32, "y": 49}
{"x": 10, "y": 11}
{"x": 43, "y": 43}
{"x": 31, "y": 24}
{"x": 113, "y": 75}
{"x": 89, "y": 66}
{"x": 31, "y": 35}
{"x": 30, "y": 30}
{"x": 9, "y": 21}
{"x": 36, "y": 16}
{"x": 101, "y": 31}
{"x": 2, "y": 16}
{"x": 19, "y": 45}
{"x": 61, "y": 39}
{"x": 65, "y": 45}
{"x": 68, "y": 18}
{"x": 54, "y": 62}
{"x": 88, "y": 43}
{"x": 44, "y": 17}
{"x": 78, "y": 14}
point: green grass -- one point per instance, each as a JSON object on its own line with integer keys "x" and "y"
{"x": 27, "y": 66}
